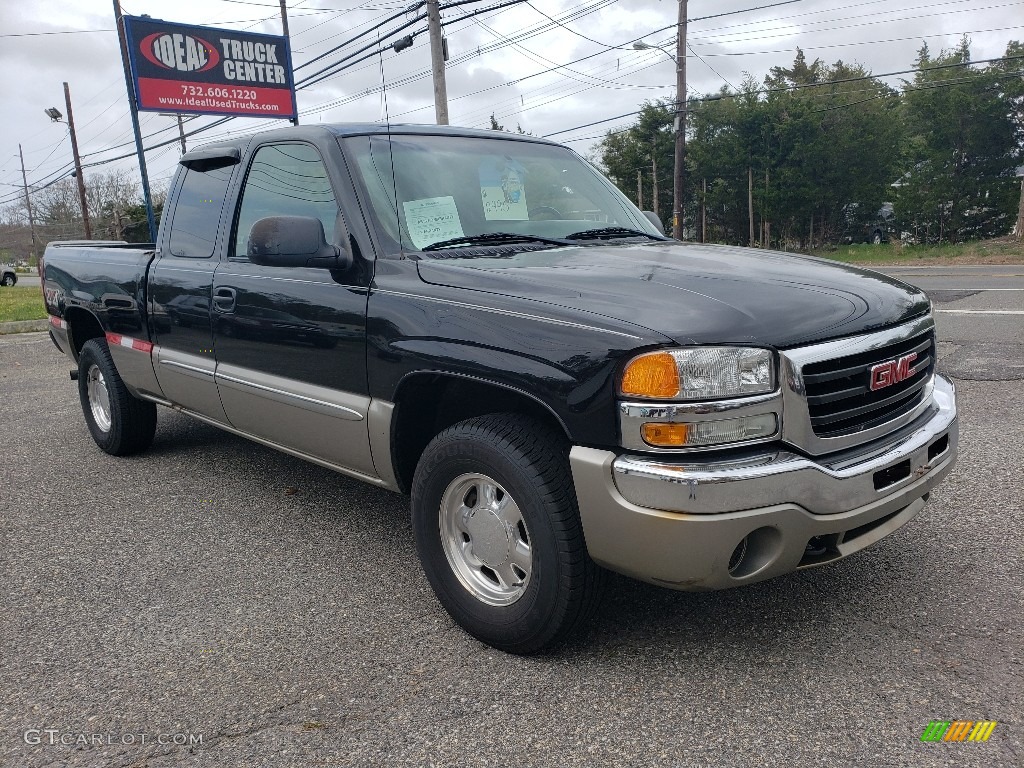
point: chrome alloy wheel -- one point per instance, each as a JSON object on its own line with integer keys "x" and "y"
{"x": 99, "y": 398}
{"x": 485, "y": 539}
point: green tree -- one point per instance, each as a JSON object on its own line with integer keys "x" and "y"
{"x": 964, "y": 148}
{"x": 496, "y": 126}
{"x": 820, "y": 143}
{"x": 624, "y": 154}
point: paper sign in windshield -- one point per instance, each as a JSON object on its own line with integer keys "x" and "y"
{"x": 432, "y": 220}
{"x": 502, "y": 190}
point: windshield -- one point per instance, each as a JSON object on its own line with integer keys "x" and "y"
{"x": 453, "y": 187}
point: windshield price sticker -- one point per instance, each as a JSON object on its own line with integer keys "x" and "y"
{"x": 432, "y": 220}
{"x": 502, "y": 190}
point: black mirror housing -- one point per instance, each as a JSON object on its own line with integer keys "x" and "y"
{"x": 294, "y": 241}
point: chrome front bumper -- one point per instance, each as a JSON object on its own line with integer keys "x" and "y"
{"x": 710, "y": 525}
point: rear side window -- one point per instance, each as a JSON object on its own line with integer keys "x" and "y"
{"x": 197, "y": 212}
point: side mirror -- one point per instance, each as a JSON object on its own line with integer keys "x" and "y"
{"x": 294, "y": 241}
{"x": 653, "y": 218}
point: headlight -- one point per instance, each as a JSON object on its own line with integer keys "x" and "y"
{"x": 700, "y": 373}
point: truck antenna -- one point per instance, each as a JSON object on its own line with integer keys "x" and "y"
{"x": 391, "y": 152}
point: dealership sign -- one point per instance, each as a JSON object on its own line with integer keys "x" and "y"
{"x": 203, "y": 70}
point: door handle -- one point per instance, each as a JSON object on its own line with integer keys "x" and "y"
{"x": 224, "y": 299}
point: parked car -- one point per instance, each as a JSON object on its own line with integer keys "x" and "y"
{"x": 8, "y": 276}
{"x": 486, "y": 324}
{"x": 877, "y": 228}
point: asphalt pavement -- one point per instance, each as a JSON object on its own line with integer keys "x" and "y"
{"x": 273, "y": 613}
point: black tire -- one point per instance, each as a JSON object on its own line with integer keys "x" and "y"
{"x": 132, "y": 421}
{"x": 876, "y": 238}
{"x": 529, "y": 462}
{"x": 10, "y": 280}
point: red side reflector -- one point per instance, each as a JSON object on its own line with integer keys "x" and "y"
{"x": 116, "y": 339}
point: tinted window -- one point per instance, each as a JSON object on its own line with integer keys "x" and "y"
{"x": 285, "y": 180}
{"x": 197, "y": 212}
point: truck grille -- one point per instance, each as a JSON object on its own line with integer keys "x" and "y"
{"x": 840, "y": 400}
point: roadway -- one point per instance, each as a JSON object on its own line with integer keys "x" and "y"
{"x": 275, "y": 610}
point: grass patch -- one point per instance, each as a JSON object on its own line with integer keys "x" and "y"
{"x": 22, "y": 302}
{"x": 1002, "y": 250}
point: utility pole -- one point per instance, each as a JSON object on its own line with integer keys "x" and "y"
{"x": 284, "y": 27}
{"x": 654, "y": 181}
{"x": 750, "y": 202}
{"x": 181, "y": 135}
{"x": 437, "y": 59}
{"x": 28, "y": 204}
{"x": 640, "y": 190}
{"x": 680, "y": 159}
{"x": 704, "y": 211}
{"x": 78, "y": 165}
{"x": 1020, "y": 210}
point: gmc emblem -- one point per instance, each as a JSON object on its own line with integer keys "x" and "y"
{"x": 892, "y": 372}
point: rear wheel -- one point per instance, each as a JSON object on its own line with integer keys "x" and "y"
{"x": 876, "y": 238}
{"x": 119, "y": 422}
{"x": 499, "y": 535}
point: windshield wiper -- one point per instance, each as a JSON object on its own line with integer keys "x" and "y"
{"x": 611, "y": 233}
{"x": 491, "y": 238}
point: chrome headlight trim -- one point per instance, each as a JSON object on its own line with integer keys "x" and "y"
{"x": 634, "y": 414}
{"x": 699, "y": 363}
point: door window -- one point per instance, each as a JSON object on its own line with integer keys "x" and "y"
{"x": 285, "y": 180}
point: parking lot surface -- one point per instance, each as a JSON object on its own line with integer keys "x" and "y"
{"x": 268, "y": 612}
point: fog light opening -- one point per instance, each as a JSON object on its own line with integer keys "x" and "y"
{"x": 758, "y": 550}
{"x": 736, "y": 558}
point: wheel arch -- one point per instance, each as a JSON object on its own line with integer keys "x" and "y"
{"x": 83, "y": 325}
{"x": 453, "y": 398}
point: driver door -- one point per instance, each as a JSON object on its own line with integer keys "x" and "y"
{"x": 290, "y": 341}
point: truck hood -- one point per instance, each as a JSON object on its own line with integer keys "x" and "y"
{"x": 695, "y": 294}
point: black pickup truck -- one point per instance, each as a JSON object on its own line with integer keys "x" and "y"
{"x": 484, "y": 322}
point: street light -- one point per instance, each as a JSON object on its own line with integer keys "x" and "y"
{"x": 642, "y": 46}
{"x": 679, "y": 125}
{"x": 55, "y": 115}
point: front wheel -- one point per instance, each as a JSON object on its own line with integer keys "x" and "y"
{"x": 499, "y": 535}
{"x": 9, "y": 280}
{"x": 876, "y": 238}
{"x": 119, "y": 422}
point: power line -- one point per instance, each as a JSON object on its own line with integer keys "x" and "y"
{"x": 508, "y": 41}
{"x": 409, "y": 78}
{"x": 62, "y": 32}
{"x": 801, "y": 86}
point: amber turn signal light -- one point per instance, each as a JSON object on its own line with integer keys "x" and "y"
{"x": 666, "y": 435}
{"x": 653, "y": 375}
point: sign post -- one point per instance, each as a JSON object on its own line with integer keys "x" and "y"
{"x": 134, "y": 110}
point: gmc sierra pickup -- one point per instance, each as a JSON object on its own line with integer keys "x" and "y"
{"x": 484, "y": 322}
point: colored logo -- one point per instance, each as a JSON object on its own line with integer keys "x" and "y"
{"x": 892, "y": 372}
{"x": 958, "y": 730}
{"x": 183, "y": 53}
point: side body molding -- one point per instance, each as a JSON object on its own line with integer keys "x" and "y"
{"x": 319, "y": 421}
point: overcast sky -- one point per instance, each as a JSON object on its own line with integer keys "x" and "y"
{"x": 514, "y": 44}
